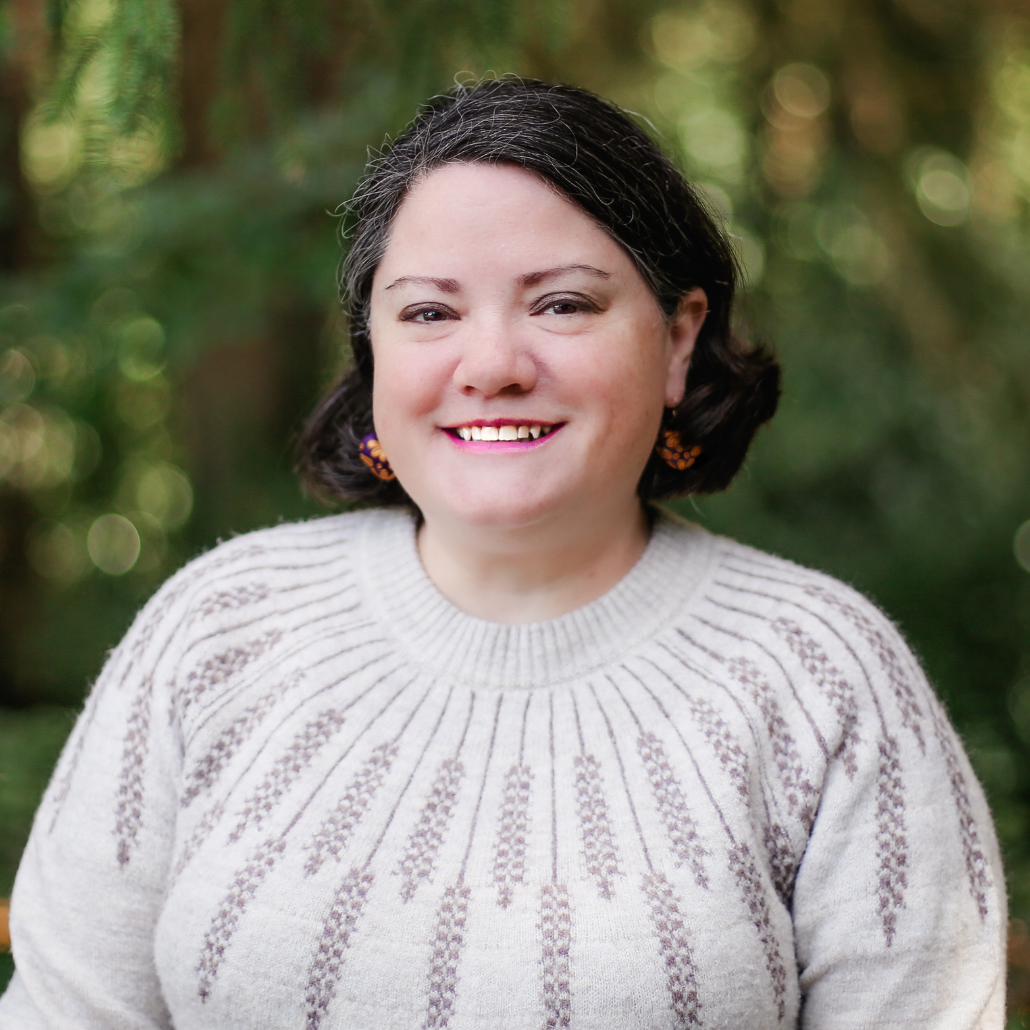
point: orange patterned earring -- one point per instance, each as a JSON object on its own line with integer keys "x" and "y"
{"x": 674, "y": 452}
{"x": 372, "y": 454}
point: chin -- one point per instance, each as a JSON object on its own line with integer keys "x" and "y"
{"x": 516, "y": 514}
{"x": 503, "y": 509}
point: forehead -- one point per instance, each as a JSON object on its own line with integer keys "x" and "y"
{"x": 489, "y": 215}
{"x": 477, "y": 180}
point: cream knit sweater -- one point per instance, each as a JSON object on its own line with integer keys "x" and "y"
{"x": 308, "y": 793}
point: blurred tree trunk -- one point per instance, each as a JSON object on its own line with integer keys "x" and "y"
{"x": 203, "y": 29}
{"x": 19, "y": 238}
{"x": 20, "y": 249}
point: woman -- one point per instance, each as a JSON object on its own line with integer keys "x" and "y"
{"x": 513, "y": 748}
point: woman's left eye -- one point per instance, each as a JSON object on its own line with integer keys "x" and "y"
{"x": 565, "y": 306}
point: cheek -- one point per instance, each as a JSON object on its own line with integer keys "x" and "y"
{"x": 622, "y": 375}
{"x": 408, "y": 385}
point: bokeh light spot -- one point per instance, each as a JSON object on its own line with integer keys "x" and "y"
{"x": 88, "y": 449}
{"x": 141, "y": 349}
{"x": 941, "y": 183}
{"x": 798, "y": 231}
{"x": 143, "y": 404}
{"x": 1021, "y": 545}
{"x": 113, "y": 544}
{"x": 37, "y": 448}
{"x": 115, "y": 306}
{"x": 1019, "y": 709}
{"x": 152, "y": 542}
{"x": 51, "y": 152}
{"x": 17, "y": 377}
{"x": 802, "y": 90}
{"x": 58, "y": 552}
{"x": 159, "y": 489}
{"x": 719, "y": 32}
{"x": 53, "y": 358}
{"x": 1011, "y": 90}
{"x": 1019, "y": 155}
{"x": 164, "y": 492}
{"x": 21, "y": 440}
{"x": 713, "y": 137}
{"x": 860, "y": 255}
{"x": 750, "y": 254}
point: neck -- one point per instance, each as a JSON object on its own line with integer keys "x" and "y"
{"x": 533, "y": 573}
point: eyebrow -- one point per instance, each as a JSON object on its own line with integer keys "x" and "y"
{"x": 443, "y": 285}
{"x": 529, "y": 279}
{"x": 536, "y": 278}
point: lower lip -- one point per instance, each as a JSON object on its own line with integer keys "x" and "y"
{"x": 502, "y": 446}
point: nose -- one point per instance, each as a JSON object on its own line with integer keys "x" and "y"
{"x": 494, "y": 363}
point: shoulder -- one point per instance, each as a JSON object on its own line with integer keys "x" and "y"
{"x": 255, "y": 571}
{"x": 787, "y": 594}
{"x": 285, "y": 551}
{"x": 327, "y": 536}
{"x": 820, "y": 638}
{"x": 745, "y": 581}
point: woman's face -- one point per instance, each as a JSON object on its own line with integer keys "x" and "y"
{"x": 521, "y": 361}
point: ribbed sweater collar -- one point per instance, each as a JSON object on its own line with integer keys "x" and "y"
{"x": 437, "y": 635}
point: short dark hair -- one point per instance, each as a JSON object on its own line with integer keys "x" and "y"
{"x": 602, "y": 161}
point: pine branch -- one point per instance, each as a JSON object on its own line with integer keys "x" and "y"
{"x": 136, "y": 50}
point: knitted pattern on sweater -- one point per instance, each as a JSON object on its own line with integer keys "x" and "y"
{"x": 307, "y": 792}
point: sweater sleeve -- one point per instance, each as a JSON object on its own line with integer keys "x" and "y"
{"x": 91, "y": 881}
{"x": 899, "y": 902}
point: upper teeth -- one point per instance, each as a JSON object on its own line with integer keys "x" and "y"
{"x": 492, "y": 433}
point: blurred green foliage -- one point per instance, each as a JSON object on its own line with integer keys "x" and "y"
{"x": 29, "y": 745}
{"x": 30, "y": 741}
{"x": 168, "y": 309}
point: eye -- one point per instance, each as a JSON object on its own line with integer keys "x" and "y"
{"x": 426, "y": 315}
{"x": 574, "y": 305}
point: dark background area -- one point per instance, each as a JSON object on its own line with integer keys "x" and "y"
{"x": 168, "y": 177}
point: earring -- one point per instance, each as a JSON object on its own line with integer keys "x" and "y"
{"x": 674, "y": 452}
{"x": 372, "y": 454}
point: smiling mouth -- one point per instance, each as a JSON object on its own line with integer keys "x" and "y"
{"x": 508, "y": 433}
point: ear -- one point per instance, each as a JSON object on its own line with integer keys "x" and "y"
{"x": 682, "y": 335}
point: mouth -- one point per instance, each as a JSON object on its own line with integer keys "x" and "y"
{"x": 503, "y": 431}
